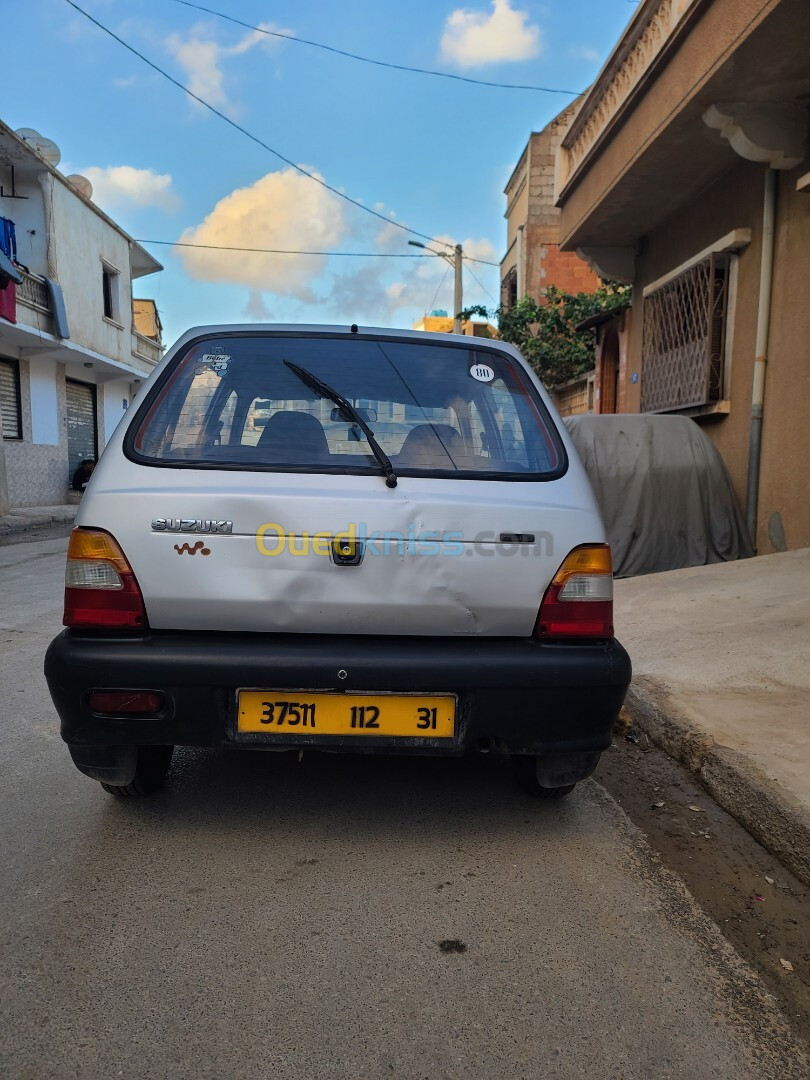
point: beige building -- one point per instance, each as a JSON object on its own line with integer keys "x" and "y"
{"x": 533, "y": 258}
{"x": 439, "y": 322}
{"x": 72, "y": 351}
{"x": 685, "y": 172}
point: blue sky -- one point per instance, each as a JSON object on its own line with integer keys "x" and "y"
{"x": 432, "y": 153}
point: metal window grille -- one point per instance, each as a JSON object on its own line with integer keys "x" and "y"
{"x": 684, "y": 338}
{"x": 10, "y": 405}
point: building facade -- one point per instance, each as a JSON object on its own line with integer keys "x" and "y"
{"x": 71, "y": 354}
{"x": 685, "y": 173}
{"x": 439, "y": 322}
{"x": 534, "y": 259}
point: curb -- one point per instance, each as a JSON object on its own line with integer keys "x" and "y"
{"x": 779, "y": 822}
{"x": 21, "y": 521}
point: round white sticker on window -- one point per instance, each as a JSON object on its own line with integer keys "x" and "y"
{"x": 482, "y": 372}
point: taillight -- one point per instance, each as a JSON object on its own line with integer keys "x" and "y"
{"x": 100, "y": 588}
{"x": 579, "y": 601}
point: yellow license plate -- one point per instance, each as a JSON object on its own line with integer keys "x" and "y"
{"x": 299, "y": 712}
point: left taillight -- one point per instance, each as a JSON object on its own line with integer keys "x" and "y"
{"x": 579, "y": 601}
{"x": 101, "y": 591}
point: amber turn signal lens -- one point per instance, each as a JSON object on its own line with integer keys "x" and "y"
{"x": 96, "y": 544}
{"x": 588, "y": 559}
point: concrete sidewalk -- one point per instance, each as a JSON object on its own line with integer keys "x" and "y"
{"x": 32, "y": 518}
{"x": 721, "y": 680}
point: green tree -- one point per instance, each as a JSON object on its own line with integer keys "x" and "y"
{"x": 545, "y": 332}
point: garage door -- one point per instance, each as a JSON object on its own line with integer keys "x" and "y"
{"x": 81, "y": 423}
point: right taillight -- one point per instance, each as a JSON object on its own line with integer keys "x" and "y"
{"x": 101, "y": 592}
{"x": 579, "y": 601}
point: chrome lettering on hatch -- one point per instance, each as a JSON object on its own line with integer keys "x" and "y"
{"x": 191, "y": 525}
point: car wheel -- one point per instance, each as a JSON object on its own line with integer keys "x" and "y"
{"x": 152, "y": 765}
{"x": 524, "y": 769}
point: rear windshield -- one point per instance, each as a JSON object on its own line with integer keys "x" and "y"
{"x": 232, "y": 402}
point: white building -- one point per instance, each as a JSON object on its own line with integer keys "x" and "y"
{"x": 71, "y": 359}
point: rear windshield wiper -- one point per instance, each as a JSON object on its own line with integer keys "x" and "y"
{"x": 325, "y": 391}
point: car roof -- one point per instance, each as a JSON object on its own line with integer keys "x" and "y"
{"x": 345, "y": 330}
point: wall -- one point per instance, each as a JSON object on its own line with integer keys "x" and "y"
{"x": 83, "y": 239}
{"x": 732, "y": 202}
{"x": 28, "y": 215}
{"x": 784, "y": 485}
{"x": 530, "y": 204}
{"x": 37, "y": 473}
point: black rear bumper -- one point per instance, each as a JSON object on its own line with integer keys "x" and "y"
{"x": 534, "y": 697}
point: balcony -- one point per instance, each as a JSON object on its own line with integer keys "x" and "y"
{"x": 34, "y": 302}
{"x": 145, "y": 350}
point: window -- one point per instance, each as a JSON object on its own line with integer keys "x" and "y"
{"x": 684, "y": 338}
{"x": 110, "y": 279}
{"x": 509, "y": 287}
{"x": 10, "y": 406}
{"x": 233, "y": 402}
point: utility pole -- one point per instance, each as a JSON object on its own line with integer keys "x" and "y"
{"x": 458, "y": 302}
{"x": 456, "y": 260}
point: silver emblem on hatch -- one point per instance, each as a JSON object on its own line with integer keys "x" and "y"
{"x": 191, "y": 525}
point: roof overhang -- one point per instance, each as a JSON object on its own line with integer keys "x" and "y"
{"x": 660, "y": 150}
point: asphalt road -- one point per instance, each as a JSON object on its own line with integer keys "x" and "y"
{"x": 270, "y": 917}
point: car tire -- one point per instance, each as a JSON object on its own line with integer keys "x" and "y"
{"x": 524, "y": 770}
{"x": 152, "y": 766}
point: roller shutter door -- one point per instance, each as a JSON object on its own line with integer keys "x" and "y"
{"x": 10, "y": 399}
{"x": 82, "y": 429}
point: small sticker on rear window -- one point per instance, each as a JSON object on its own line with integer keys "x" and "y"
{"x": 213, "y": 361}
{"x": 482, "y": 372}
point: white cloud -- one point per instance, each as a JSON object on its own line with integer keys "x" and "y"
{"x": 202, "y": 57}
{"x": 124, "y": 185}
{"x": 474, "y": 38}
{"x": 585, "y": 52}
{"x": 420, "y": 284}
{"x": 282, "y": 210}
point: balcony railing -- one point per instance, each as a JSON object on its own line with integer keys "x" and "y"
{"x": 146, "y": 349}
{"x": 34, "y": 292}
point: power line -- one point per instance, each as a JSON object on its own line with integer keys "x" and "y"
{"x": 480, "y": 284}
{"x": 288, "y": 251}
{"x": 244, "y": 131}
{"x": 438, "y": 290}
{"x": 285, "y": 251}
{"x": 378, "y": 63}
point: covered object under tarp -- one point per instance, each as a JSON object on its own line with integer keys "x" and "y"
{"x": 663, "y": 490}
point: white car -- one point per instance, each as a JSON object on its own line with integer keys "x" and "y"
{"x": 372, "y": 541}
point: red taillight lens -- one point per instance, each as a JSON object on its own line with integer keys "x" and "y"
{"x": 579, "y": 601}
{"x": 101, "y": 591}
{"x": 115, "y": 702}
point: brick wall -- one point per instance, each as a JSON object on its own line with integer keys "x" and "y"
{"x": 547, "y": 265}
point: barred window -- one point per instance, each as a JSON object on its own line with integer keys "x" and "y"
{"x": 684, "y": 338}
{"x": 10, "y": 409}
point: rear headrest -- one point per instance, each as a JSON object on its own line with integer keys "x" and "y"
{"x": 294, "y": 438}
{"x": 429, "y": 446}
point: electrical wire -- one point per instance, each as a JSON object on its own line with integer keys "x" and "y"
{"x": 244, "y": 131}
{"x": 436, "y": 294}
{"x": 480, "y": 284}
{"x": 378, "y": 63}
{"x": 285, "y": 251}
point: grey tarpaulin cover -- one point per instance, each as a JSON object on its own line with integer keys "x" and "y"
{"x": 663, "y": 490}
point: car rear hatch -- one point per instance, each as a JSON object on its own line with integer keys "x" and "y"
{"x": 246, "y": 500}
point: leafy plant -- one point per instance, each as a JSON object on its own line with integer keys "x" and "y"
{"x": 545, "y": 333}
